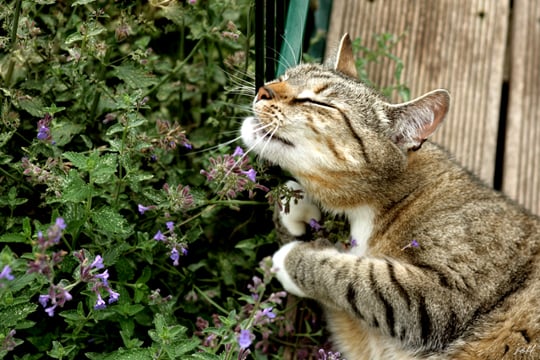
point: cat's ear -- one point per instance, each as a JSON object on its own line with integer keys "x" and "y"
{"x": 414, "y": 121}
{"x": 345, "y": 58}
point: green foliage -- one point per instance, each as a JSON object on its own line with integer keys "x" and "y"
{"x": 119, "y": 227}
{"x": 382, "y": 51}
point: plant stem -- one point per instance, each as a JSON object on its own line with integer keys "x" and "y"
{"x": 13, "y": 39}
{"x": 165, "y": 78}
{"x": 212, "y": 302}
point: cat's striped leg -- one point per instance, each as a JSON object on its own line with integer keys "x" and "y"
{"x": 396, "y": 299}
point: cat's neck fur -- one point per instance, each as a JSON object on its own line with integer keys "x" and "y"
{"x": 427, "y": 169}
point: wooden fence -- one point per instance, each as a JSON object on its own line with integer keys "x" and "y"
{"x": 487, "y": 54}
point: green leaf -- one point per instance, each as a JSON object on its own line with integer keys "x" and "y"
{"x": 105, "y": 168}
{"x": 11, "y": 315}
{"x": 12, "y": 238}
{"x": 132, "y": 354}
{"x": 76, "y": 190}
{"x": 34, "y": 106}
{"x": 135, "y": 78}
{"x": 82, "y": 2}
{"x": 73, "y": 315}
{"x": 77, "y": 159}
{"x": 128, "y": 309}
{"x": 59, "y": 351}
{"x": 64, "y": 133}
{"x": 110, "y": 221}
{"x": 76, "y": 36}
{"x": 206, "y": 356}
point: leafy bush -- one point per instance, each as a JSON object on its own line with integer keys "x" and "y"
{"x": 133, "y": 224}
{"x": 123, "y": 234}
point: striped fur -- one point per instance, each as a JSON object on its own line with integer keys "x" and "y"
{"x": 469, "y": 290}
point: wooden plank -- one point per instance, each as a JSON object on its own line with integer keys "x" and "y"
{"x": 454, "y": 44}
{"x": 521, "y": 172}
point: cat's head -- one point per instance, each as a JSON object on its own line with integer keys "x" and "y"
{"x": 336, "y": 135}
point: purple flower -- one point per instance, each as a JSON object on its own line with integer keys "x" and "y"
{"x": 50, "y": 310}
{"x": 54, "y": 233}
{"x": 43, "y": 300}
{"x": 323, "y": 355}
{"x": 170, "y": 225}
{"x": 413, "y": 244}
{"x": 175, "y": 255}
{"x": 314, "y": 224}
{"x": 60, "y": 223}
{"x": 245, "y": 338}
{"x": 159, "y": 236}
{"x": 354, "y": 242}
{"x": 268, "y": 313}
{"x": 97, "y": 263}
{"x": 62, "y": 296}
{"x": 100, "y": 304}
{"x": 43, "y": 133}
{"x": 192, "y": 2}
{"x": 6, "y": 273}
{"x": 264, "y": 316}
{"x": 113, "y": 295}
{"x": 142, "y": 209}
{"x": 103, "y": 276}
{"x": 238, "y": 151}
{"x": 251, "y": 174}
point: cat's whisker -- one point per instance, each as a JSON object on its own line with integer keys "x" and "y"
{"x": 216, "y": 147}
{"x": 291, "y": 49}
{"x": 257, "y": 142}
{"x": 270, "y": 136}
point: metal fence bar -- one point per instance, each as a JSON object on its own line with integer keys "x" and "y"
{"x": 270, "y": 46}
{"x": 259, "y": 43}
{"x": 291, "y": 49}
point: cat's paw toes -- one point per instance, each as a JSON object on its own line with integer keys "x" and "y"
{"x": 278, "y": 266}
{"x": 300, "y": 213}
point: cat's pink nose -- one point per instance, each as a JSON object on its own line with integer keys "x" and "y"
{"x": 264, "y": 93}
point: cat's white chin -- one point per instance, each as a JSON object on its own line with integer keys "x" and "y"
{"x": 254, "y": 138}
{"x": 282, "y": 275}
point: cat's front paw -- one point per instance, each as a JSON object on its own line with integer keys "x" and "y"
{"x": 300, "y": 213}
{"x": 278, "y": 266}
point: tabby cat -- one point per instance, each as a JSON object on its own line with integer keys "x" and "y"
{"x": 443, "y": 268}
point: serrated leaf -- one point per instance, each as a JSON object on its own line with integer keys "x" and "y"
{"x": 11, "y": 315}
{"x": 76, "y": 189}
{"x": 82, "y": 2}
{"x": 109, "y": 221}
{"x": 206, "y": 356}
{"x": 72, "y": 315}
{"x": 132, "y": 354}
{"x": 77, "y": 159}
{"x": 116, "y": 128}
{"x": 34, "y": 106}
{"x": 105, "y": 168}
{"x": 179, "y": 351}
{"x": 12, "y": 238}
{"x": 128, "y": 309}
{"x": 71, "y": 38}
{"x": 135, "y": 78}
{"x": 62, "y": 135}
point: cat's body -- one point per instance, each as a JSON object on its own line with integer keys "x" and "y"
{"x": 468, "y": 289}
